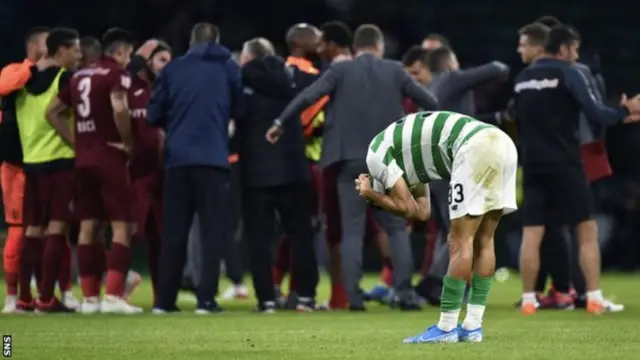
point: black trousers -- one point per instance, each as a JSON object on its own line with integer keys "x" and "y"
{"x": 293, "y": 204}
{"x": 554, "y": 260}
{"x": 189, "y": 190}
{"x": 233, "y": 254}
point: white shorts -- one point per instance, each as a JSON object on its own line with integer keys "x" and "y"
{"x": 483, "y": 175}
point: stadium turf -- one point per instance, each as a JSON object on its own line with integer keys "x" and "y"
{"x": 376, "y": 334}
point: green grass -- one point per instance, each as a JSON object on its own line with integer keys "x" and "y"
{"x": 376, "y": 334}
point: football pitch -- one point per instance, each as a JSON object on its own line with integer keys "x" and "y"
{"x": 376, "y": 334}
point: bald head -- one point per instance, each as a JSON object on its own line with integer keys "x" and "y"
{"x": 202, "y": 33}
{"x": 303, "y": 37}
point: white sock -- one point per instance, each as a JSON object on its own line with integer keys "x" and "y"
{"x": 67, "y": 293}
{"x": 473, "y": 320}
{"x": 529, "y": 297}
{"x": 595, "y": 295}
{"x": 448, "y": 320}
{"x": 10, "y": 298}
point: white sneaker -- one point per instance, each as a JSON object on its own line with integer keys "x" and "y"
{"x": 131, "y": 283}
{"x": 115, "y": 305}
{"x": 70, "y": 301}
{"x": 202, "y": 312}
{"x": 236, "y": 292}
{"x": 90, "y": 305}
{"x": 610, "y": 306}
{"x": 10, "y": 304}
{"x": 157, "y": 311}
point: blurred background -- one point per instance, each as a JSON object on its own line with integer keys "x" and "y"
{"x": 479, "y": 31}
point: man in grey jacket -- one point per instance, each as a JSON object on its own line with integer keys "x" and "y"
{"x": 365, "y": 97}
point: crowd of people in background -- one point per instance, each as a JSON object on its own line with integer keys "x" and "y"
{"x": 181, "y": 152}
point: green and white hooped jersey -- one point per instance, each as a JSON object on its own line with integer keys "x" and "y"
{"x": 420, "y": 147}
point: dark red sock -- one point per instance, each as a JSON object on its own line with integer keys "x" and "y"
{"x": 100, "y": 258}
{"x": 52, "y": 258}
{"x": 27, "y": 266}
{"x": 386, "y": 261}
{"x": 38, "y": 253}
{"x": 154, "y": 257}
{"x": 86, "y": 268}
{"x": 339, "y": 298}
{"x": 118, "y": 260}
{"x": 386, "y": 276}
{"x": 64, "y": 277}
{"x": 11, "y": 279}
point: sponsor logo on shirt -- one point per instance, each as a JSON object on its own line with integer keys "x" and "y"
{"x": 536, "y": 85}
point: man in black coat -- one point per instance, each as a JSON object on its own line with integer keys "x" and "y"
{"x": 275, "y": 177}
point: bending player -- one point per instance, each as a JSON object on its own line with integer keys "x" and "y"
{"x": 480, "y": 161}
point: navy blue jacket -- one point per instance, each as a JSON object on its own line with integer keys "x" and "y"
{"x": 550, "y": 96}
{"x": 192, "y": 100}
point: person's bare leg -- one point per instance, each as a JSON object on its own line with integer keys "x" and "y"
{"x": 484, "y": 265}
{"x": 530, "y": 264}
{"x": 589, "y": 254}
{"x": 460, "y": 242}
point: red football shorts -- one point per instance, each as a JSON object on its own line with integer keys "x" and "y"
{"x": 48, "y": 197}
{"x": 147, "y": 206}
{"x": 12, "y": 180}
{"x": 103, "y": 193}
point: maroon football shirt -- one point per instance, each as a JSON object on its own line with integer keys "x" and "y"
{"x": 89, "y": 95}
{"x": 145, "y": 159}
{"x": 596, "y": 160}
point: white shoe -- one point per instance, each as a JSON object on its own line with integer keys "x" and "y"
{"x": 131, "y": 283}
{"x": 115, "y": 305}
{"x": 10, "y": 304}
{"x": 236, "y": 292}
{"x": 90, "y": 305}
{"x": 610, "y": 306}
{"x": 70, "y": 301}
